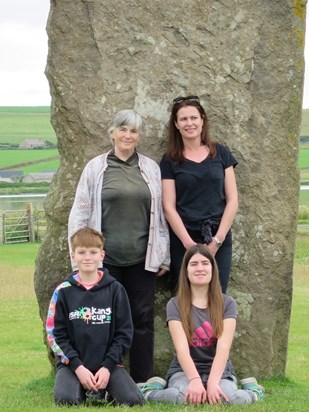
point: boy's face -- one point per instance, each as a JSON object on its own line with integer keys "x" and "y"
{"x": 87, "y": 259}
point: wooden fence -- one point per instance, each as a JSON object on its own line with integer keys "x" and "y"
{"x": 19, "y": 226}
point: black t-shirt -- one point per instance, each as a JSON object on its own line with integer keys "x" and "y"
{"x": 200, "y": 193}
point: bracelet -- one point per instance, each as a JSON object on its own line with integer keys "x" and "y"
{"x": 196, "y": 377}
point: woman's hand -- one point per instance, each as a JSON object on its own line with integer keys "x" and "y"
{"x": 213, "y": 247}
{"x": 196, "y": 392}
{"x": 215, "y": 393}
{"x": 161, "y": 272}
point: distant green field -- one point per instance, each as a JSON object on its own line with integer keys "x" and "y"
{"x": 305, "y": 123}
{"x": 41, "y": 167}
{"x": 304, "y": 198}
{"x": 14, "y": 157}
{"x": 20, "y": 123}
{"x": 303, "y": 160}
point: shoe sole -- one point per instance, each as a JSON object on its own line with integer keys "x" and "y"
{"x": 155, "y": 379}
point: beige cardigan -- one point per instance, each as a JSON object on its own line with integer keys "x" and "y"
{"x": 87, "y": 208}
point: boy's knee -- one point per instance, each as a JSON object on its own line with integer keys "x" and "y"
{"x": 61, "y": 400}
{"x": 68, "y": 397}
{"x": 135, "y": 399}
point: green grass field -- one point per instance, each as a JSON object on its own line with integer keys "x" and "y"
{"x": 305, "y": 123}
{"x": 304, "y": 198}
{"x": 20, "y": 123}
{"x": 16, "y": 157}
{"x": 25, "y": 373}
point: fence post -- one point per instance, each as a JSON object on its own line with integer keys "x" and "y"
{"x": 1, "y": 228}
{"x": 30, "y": 222}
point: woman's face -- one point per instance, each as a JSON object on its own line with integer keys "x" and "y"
{"x": 189, "y": 122}
{"x": 125, "y": 138}
{"x": 199, "y": 270}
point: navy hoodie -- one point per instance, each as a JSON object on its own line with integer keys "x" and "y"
{"x": 89, "y": 327}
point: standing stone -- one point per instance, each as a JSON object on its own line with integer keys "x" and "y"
{"x": 244, "y": 59}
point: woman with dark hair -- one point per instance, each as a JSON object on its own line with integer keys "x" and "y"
{"x": 202, "y": 322}
{"x": 119, "y": 194}
{"x": 199, "y": 188}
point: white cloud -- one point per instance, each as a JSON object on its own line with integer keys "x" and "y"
{"x": 23, "y": 51}
{"x": 306, "y": 84}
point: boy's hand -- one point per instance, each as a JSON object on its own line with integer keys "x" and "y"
{"x": 86, "y": 378}
{"x": 102, "y": 378}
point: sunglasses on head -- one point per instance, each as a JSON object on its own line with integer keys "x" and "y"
{"x": 187, "y": 98}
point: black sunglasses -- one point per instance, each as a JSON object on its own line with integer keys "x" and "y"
{"x": 187, "y": 98}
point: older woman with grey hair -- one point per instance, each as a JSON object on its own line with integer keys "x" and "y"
{"x": 119, "y": 193}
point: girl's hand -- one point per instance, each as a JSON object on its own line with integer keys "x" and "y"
{"x": 196, "y": 392}
{"x": 215, "y": 393}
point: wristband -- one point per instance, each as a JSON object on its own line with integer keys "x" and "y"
{"x": 218, "y": 241}
{"x": 196, "y": 377}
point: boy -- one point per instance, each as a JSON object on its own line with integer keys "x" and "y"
{"x": 89, "y": 328}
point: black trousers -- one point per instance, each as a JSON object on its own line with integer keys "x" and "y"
{"x": 223, "y": 258}
{"x": 121, "y": 388}
{"x": 140, "y": 287}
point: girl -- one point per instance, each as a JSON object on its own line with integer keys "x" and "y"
{"x": 202, "y": 323}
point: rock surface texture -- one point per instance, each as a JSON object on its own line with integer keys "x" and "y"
{"x": 244, "y": 58}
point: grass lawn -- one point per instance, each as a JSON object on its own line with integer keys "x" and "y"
{"x": 27, "y": 384}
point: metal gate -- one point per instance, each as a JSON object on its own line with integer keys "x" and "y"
{"x": 20, "y": 226}
{"x": 16, "y": 226}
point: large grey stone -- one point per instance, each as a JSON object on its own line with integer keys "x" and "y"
{"x": 244, "y": 58}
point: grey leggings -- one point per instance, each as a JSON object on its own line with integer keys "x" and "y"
{"x": 178, "y": 384}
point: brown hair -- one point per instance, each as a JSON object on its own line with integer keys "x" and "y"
{"x": 214, "y": 294}
{"x": 175, "y": 146}
{"x": 87, "y": 237}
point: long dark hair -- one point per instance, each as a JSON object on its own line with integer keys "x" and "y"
{"x": 214, "y": 294}
{"x": 175, "y": 146}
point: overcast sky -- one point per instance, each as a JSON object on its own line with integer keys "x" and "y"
{"x": 23, "y": 51}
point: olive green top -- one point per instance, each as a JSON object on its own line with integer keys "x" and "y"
{"x": 126, "y": 202}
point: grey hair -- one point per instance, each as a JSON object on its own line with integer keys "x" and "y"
{"x": 126, "y": 118}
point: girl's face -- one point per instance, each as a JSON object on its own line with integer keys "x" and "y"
{"x": 189, "y": 122}
{"x": 199, "y": 270}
